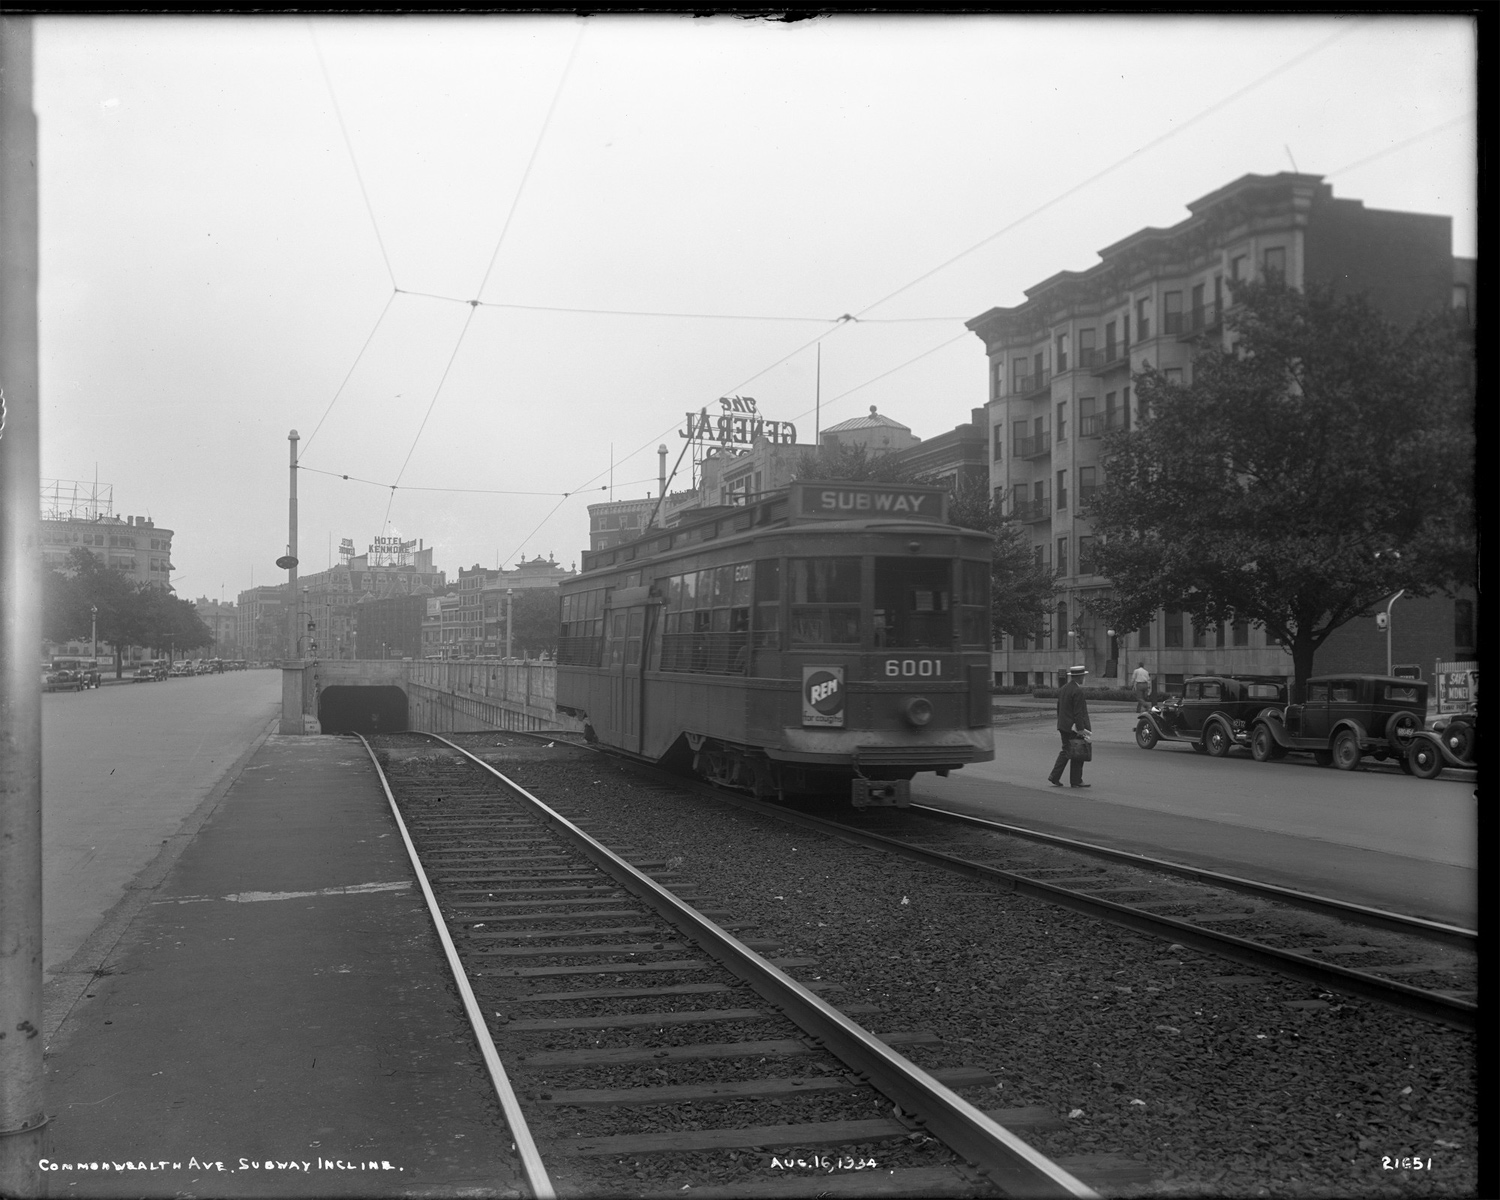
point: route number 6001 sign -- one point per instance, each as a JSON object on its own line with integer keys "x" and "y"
{"x": 926, "y": 668}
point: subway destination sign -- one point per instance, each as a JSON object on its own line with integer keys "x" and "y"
{"x": 841, "y": 501}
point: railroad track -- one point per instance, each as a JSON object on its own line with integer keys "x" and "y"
{"x": 1422, "y": 967}
{"x": 638, "y": 1047}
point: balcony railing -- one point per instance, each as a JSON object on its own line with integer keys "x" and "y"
{"x": 1031, "y": 511}
{"x": 1197, "y": 320}
{"x": 1024, "y": 385}
{"x": 1034, "y": 446}
{"x": 1113, "y": 357}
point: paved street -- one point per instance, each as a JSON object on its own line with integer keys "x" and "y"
{"x": 1375, "y": 836}
{"x": 121, "y": 768}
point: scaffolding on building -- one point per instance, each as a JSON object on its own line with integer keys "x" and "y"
{"x": 77, "y": 500}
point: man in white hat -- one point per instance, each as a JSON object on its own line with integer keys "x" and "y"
{"x": 1072, "y": 723}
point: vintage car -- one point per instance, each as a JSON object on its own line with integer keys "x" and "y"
{"x": 1213, "y": 714}
{"x": 1344, "y": 718}
{"x": 1448, "y": 742}
{"x": 86, "y": 671}
{"x": 62, "y": 680}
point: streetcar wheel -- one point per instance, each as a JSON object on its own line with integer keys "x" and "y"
{"x": 1346, "y": 751}
{"x": 1216, "y": 740}
{"x": 1324, "y": 758}
{"x": 1145, "y": 736}
{"x": 1424, "y": 759}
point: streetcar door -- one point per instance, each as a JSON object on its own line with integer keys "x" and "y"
{"x": 627, "y": 629}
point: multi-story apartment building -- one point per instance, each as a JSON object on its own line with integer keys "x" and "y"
{"x": 959, "y": 456}
{"x": 328, "y": 598}
{"x": 262, "y": 640}
{"x": 224, "y": 621}
{"x": 1060, "y": 367}
{"x": 81, "y": 515}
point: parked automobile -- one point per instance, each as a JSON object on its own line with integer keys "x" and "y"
{"x": 1213, "y": 714}
{"x": 62, "y": 681}
{"x": 1450, "y": 741}
{"x": 150, "y": 670}
{"x": 86, "y": 669}
{"x": 1344, "y": 718}
{"x": 180, "y": 669}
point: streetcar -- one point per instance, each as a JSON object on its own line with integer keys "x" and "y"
{"x": 833, "y": 637}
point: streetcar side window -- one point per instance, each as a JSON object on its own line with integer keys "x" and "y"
{"x": 825, "y": 601}
{"x": 707, "y": 621}
{"x": 913, "y": 603}
{"x": 580, "y": 641}
{"x": 766, "y": 590}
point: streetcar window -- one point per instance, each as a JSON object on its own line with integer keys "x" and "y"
{"x": 912, "y": 597}
{"x": 766, "y": 589}
{"x": 707, "y": 623}
{"x": 825, "y": 601}
{"x": 581, "y": 633}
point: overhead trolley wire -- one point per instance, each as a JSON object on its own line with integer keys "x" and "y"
{"x": 348, "y": 145}
{"x": 1402, "y": 145}
{"x": 636, "y": 312}
{"x": 391, "y": 299}
{"x": 415, "y": 488}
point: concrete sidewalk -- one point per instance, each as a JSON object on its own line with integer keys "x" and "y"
{"x": 279, "y": 1016}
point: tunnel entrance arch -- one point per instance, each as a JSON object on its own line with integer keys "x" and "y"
{"x": 367, "y": 710}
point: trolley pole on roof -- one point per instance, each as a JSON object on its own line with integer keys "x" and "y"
{"x": 22, "y": 1112}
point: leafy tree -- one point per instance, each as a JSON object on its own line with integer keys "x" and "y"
{"x": 1319, "y": 465}
{"x": 68, "y": 600}
{"x": 1021, "y": 591}
{"x": 534, "y": 611}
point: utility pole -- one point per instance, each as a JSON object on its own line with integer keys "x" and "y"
{"x": 22, "y": 1112}
{"x": 509, "y": 596}
{"x": 291, "y": 548}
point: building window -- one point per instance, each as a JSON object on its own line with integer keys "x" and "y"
{"x": 999, "y": 451}
{"x": 1198, "y": 313}
{"x": 1461, "y": 299}
{"x": 1171, "y": 313}
{"x": 1143, "y": 639}
{"x": 1062, "y": 352}
{"x": 1173, "y": 376}
{"x": 1061, "y": 626}
{"x": 1200, "y": 636}
{"x": 1086, "y": 357}
{"x": 997, "y": 378}
{"x": 1018, "y": 500}
{"x": 1174, "y": 685}
{"x": 1062, "y": 556}
{"x": 1062, "y": 489}
{"x": 1237, "y": 268}
{"x": 1125, "y": 409}
{"x": 1018, "y": 642}
{"x": 1085, "y": 553}
{"x": 1018, "y": 374}
{"x": 1274, "y": 262}
{"x": 1111, "y": 416}
{"x": 1109, "y": 341}
{"x": 1021, "y": 676}
{"x": 1088, "y": 423}
{"x": 1088, "y": 485}
{"x": 1463, "y": 624}
{"x": 1242, "y": 633}
{"x": 1062, "y": 421}
{"x": 1173, "y": 639}
{"x": 1143, "y": 319}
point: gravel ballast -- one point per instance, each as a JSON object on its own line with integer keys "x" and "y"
{"x": 1215, "y": 1079}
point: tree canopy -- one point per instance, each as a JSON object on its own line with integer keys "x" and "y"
{"x": 128, "y": 614}
{"x": 1021, "y": 590}
{"x": 1322, "y": 463}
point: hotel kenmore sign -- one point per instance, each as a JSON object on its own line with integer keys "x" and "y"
{"x": 736, "y": 424}
{"x": 813, "y": 501}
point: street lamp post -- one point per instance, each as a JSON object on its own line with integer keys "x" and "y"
{"x": 1389, "y": 603}
{"x": 509, "y": 596}
{"x": 94, "y": 633}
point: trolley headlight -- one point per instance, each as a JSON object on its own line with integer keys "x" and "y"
{"x": 918, "y": 711}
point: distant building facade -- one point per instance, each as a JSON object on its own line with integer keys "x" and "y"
{"x": 77, "y": 515}
{"x": 390, "y": 627}
{"x": 261, "y": 631}
{"x": 223, "y": 620}
{"x": 876, "y": 433}
{"x": 960, "y": 456}
{"x": 1060, "y": 368}
{"x": 328, "y": 598}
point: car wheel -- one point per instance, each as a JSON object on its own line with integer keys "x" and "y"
{"x": 1324, "y": 758}
{"x": 1400, "y": 727}
{"x": 1216, "y": 740}
{"x": 1263, "y": 744}
{"x": 1459, "y": 738}
{"x": 1145, "y": 736}
{"x": 1346, "y": 751}
{"x": 1424, "y": 759}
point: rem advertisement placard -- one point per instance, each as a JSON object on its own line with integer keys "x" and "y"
{"x": 823, "y": 696}
{"x": 863, "y": 501}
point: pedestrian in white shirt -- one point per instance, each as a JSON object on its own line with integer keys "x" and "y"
{"x": 1140, "y": 681}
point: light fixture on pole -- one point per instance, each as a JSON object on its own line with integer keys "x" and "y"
{"x": 1383, "y": 620}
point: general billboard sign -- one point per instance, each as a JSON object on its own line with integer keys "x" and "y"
{"x": 736, "y": 424}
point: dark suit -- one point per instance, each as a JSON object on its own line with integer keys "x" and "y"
{"x": 1072, "y": 713}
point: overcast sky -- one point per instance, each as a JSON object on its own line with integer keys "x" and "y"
{"x": 221, "y": 253}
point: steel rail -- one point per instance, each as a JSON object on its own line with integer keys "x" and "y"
{"x": 531, "y": 1159}
{"x": 1011, "y": 1164}
{"x": 1433, "y": 931}
{"x": 1434, "y": 1006}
